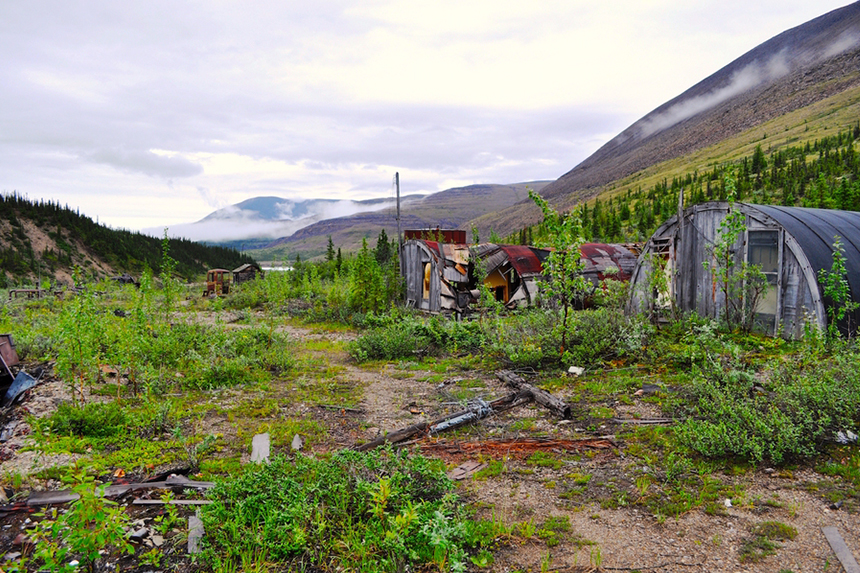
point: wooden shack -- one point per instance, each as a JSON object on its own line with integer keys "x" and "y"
{"x": 789, "y": 244}
{"x": 247, "y": 272}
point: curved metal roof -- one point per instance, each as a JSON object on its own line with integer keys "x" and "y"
{"x": 816, "y": 231}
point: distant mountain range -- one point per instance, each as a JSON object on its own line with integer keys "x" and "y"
{"x": 257, "y": 221}
{"x": 794, "y": 70}
{"x": 451, "y": 209}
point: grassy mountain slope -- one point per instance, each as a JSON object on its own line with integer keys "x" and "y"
{"x": 773, "y": 88}
{"x": 450, "y": 209}
{"x": 44, "y": 240}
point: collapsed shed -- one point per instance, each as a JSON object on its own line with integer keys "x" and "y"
{"x": 789, "y": 244}
{"x": 601, "y": 261}
{"x": 442, "y": 276}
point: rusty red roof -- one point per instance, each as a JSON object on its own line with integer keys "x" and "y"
{"x": 598, "y": 257}
{"x": 524, "y": 259}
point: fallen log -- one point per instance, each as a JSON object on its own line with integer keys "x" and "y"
{"x": 542, "y": 397}
{"x": 476, "y": 412}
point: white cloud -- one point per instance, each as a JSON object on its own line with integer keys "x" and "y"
{"x": 148, "y": 114}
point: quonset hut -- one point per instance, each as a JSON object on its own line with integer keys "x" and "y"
{"x": 790, "y": 244}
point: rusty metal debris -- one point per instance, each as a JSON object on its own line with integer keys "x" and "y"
{"x": 516, "y": 448}
{"x": 21, "y": 384}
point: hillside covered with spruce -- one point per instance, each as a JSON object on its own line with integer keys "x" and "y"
{"x": 44, "y": 240}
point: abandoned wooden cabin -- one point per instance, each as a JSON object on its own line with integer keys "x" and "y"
{"x": 441, "y": 276}
{"x": 247, "y": 272}
{"x": 791, "y": 245}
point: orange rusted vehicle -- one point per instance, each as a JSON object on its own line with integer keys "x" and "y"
{"x": 217, "y": 282}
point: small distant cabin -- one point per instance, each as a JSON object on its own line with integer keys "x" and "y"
{"x": 247, "y": 272}
{"x": 789, "y": 244}
{"x": 441, "y": 276}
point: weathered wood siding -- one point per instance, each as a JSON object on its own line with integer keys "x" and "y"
{"x": 689, "y": 246}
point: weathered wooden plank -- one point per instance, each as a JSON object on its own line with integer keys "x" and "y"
{"x": 842, "y": 552}
{"x": 542, "y": 397}
{"x": 195, "y": 533}
{"x": 38, "y": 498}
{"x": 173, "y": 481}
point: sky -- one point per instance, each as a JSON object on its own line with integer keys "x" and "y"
{"x": 152, "y": 114}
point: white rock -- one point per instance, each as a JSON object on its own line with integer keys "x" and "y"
{"x": 576, "y": 370}
{"x": 298, "y": 442}
{"x": 727, "y": 502}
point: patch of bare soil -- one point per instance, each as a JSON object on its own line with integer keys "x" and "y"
{"x": 630, "y": 538}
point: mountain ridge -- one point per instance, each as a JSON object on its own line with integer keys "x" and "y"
{"x": 810, "y": 74}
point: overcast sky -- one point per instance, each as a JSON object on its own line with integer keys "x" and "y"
{"x": 150, "y": 114}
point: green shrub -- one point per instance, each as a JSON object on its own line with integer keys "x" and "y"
{"x": 374, "y": 511}
{"x": 790, "y": 415}
{"x": 532, "y": 339}
{"x": 95, "y": 420}
{"x": 407, "y": 336}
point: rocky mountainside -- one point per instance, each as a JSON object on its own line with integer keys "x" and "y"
{"x": 791, "y": 71}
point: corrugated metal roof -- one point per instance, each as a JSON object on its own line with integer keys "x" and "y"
{"x": 815, "y": 230}
{"x": 523, "y": 259}
{"x": 599, "y": 257}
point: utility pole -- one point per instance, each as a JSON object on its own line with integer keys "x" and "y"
{"x": 397, "y": 185}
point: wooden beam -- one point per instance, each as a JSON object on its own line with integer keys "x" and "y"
{"x": 842, "y": 552}
{"x": 542, "y": 397}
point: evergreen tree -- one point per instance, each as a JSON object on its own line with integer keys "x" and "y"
{"x": 383, "y": 250}
{"x": 329, "y": 251}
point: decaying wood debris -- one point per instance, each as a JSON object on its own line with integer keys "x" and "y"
{"x": 41, "y": 498}
{"x": 542, "y": 397}
{"x": 478, "y": 410}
